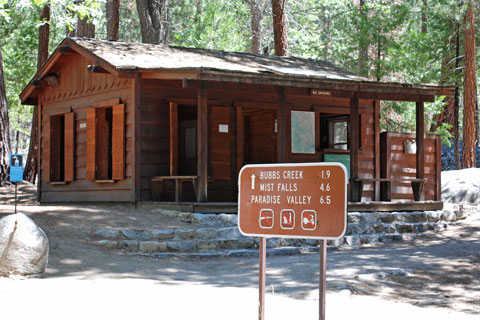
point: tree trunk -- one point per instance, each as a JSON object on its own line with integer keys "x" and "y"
{"x": 256, "y": 26}
{"x": 30, "y": 171}
{"x": 363, "y": 47}
{"x": 328, "y": 36}
{"x": 113, "y": 19}
{"x": 153, "y": 15}
{"x": 83, "y": 28}
{"x": 280, "y": 27}
{"x": 423, "y": 28}
{"x": 470, "y": 89}
{"x": 456, "y": 125}
{"x": 4, "y": 129}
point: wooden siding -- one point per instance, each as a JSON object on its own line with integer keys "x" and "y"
{"x": 78, "y": 92}
{"x": 397, "y": 164}
{"x": 227, "y": 152}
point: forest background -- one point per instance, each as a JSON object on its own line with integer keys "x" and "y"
{"x": 413, "y": 41}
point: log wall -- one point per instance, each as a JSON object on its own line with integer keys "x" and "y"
{"x": 79, "y": 90}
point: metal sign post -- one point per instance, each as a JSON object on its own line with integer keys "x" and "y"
{"x": 306, "y": 200}
{"x": 16, "y": 172}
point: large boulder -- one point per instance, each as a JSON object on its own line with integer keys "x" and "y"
{"x": 461, "y": 186}
{"x": 23, "y": 246}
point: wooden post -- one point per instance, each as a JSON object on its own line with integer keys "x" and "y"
{"x": 173, "y": 139}
{"x": 202, "y": 145}
{"x": 322, "y": 279}
{"x": 137, "y": 146}
{"x": 281, "y": 126}
{"x": 261, "y": 277}
{"x": 376, "y": 125}
{"x": 420, "y": 131}
{"x": 354, "y": 146}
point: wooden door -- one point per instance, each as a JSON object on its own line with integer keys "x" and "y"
{"x": 260, "y": 145}
{"x": 187, "y": 153}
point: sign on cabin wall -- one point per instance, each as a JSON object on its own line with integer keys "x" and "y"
{"x": 303, "y": 131}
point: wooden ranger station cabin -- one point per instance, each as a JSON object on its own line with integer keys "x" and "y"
{"x": 138, "y": 122}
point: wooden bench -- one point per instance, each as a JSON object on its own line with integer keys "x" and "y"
{"x": 386, "y": 187}
{"x": 158, "y": 182}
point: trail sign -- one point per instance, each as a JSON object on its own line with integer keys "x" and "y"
{"x": 16, "y": 167}
{"x": 306, "y": 200}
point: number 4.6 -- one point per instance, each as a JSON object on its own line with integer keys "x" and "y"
{"x": 325, "y": 187}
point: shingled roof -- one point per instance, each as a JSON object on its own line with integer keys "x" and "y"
{"x": 121, "y": 58}
{"x": 125, "y": 56}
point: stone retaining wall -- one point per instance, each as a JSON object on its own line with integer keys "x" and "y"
{"x": 219, "y": 233}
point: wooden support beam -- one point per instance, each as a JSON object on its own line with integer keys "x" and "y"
{"x": 376, "y": 125}
{"x": 202, "y": 144}
{"x": 354, "y": 147}
{"x": 96, "y": 69}
{"x": 65, "y": 49}
{"x": 282, "y": 126}
{"x": 137, "y": 143}
{"x": 420, "y": 136}
{"x": 173, "y": 139}
{"x": 51, "y": 80}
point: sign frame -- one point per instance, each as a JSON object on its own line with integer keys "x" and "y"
{"x": 16, "y": 171}
{"x": 278, "y": 166}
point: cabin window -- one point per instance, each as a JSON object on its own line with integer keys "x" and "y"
{"x": 303, "y": 132}
{"x": 61, "y": 160}
{"x": 338, "y": 134}
{"x": 105, "y": 143}
{"x": 335, "y": 132}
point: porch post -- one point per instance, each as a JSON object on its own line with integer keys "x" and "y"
{"x": 202, "y": 145}
{"x": 281, "y": 127}
{"x": 355, "y": 192}
{"x": 420, "y": 156}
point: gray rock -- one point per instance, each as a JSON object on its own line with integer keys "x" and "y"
{"x": 387, "y": 217}
{"x": 273, "y": 242}
{"x": 166, "y": 234}
{"x": 180, "y": 245}
{"x": 130, "y": 245}
{"x": 206, "y": 233}
{"x": 23, "y": 246}
{"x": 107, "y": 234}
{"x": 369, "y": 239}
{"x": 433, "y": 216}
{"x": 390, "y": 228}
{"x": 184, "y": 234}
{"x": 185, "y": 216}
{"x": 108, "y": 244}
{"x": 354, "y": 217}
{"x": 229, "y": 233}
{"x": 150, "y": 246}
{"x": 137, "y": 234}
{"x": 404, "y": 227}
{"x": 352, "y": 241}
{"x": 449, "y": 216}
{"x": 208, "y": 244}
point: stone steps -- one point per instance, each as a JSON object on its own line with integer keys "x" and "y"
{"x": 212, "y": 235}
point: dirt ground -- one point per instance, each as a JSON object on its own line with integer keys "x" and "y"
{"x": 434, "y": 277}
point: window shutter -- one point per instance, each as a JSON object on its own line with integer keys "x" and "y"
{"x": 118, "y": 138}
{"x": 69, "y": 146}
{"x": 91, "y": 142}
